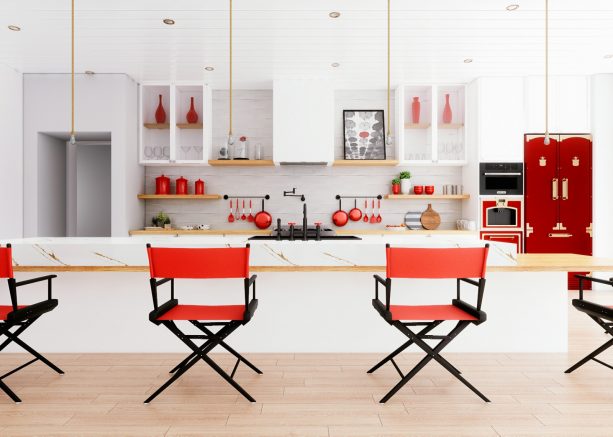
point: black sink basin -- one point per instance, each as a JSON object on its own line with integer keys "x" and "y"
{"x": 323, "y": 238}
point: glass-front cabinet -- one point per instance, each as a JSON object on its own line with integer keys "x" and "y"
{"x": 175, "y": 123}
{"x": 430, "y": 124}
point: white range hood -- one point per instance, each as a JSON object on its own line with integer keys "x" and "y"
{"x": 303, "y": 122}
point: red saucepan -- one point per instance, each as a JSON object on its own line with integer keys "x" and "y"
{"x": 356, "y": 213}
{"x": 262, "y": 219}
{"x": 340, "y": 217}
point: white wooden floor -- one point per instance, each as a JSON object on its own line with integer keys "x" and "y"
{"x": 317, "y": 395}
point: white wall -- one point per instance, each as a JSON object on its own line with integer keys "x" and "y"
{"x": 93, "y": 190}
{"x": 51, "y": 205}
{"x": 104, "y": 103}
{"x": 11, "y": 153}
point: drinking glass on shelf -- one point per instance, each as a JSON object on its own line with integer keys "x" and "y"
{"x": 257, "y": 152}
{"x": 186, "y": 150}
{"x": 157, "y": 152}
{"x": 198, "y": 150}
{"x": 148, "y": 152}
{"x": 166, "y": 152}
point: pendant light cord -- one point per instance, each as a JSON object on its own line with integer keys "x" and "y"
{"x": 547, "y": 69}
{"x": 230, "y": 129}
{"x": 72, "y": 129}
{"x": 389, "y": 118}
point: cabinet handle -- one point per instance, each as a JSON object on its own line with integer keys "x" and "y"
{"x": 565, "y": 235}
{"x": 564, "y": 189}
{"x": 554, "y": 188}
{"x": 501, "y": 174}
{"x": 502, "y": 237}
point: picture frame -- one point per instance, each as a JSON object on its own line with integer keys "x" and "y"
{"x": 364, "y": 134}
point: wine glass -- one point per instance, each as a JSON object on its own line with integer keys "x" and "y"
{"x": 186, "y": 150}
{"x": 157, "y": 152}
{"x": 198, "y": 150}
{"x": 166, "y": 152}
{"x": 148, "y": 152}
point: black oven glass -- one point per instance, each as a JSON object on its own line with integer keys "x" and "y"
{"x": 501, "y": 217}
{"x": 501, "y": 183}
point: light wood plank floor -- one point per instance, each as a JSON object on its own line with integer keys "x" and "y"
{"x": 317, "y": 395}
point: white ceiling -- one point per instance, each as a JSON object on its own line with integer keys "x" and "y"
{"x": 276, "y": 38}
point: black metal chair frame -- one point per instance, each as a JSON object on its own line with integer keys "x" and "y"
{"x": 211, "y": 339}
{"x": 602, "y": 315}
{"x": 22, "y": 319}
{"x": 417, "y": 338}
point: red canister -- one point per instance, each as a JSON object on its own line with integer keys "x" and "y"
{"x": 162, "y": 185}
{"x": 181, "y": 186}
{"x": 199, "y": 187}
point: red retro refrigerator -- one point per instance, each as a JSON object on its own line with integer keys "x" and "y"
{"x": 558, "y": 195}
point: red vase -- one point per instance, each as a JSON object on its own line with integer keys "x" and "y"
{"x": 415, "y": 110}
{"x": 447, "y": 115}
{"x": 199, "y": 187}
{"x": 181, "y": 185}
{"x": 192, "y": 115}
{"x": 160, "y": 114}
{"x": 395, "y": 188}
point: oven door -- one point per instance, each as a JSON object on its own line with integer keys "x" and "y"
{"x": 501, "y": 213}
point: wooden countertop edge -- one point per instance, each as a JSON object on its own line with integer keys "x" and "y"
{"x": 268, "y": 232}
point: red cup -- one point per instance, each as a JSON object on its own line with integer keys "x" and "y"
{"x": 395, "y": 188}
{"x": 418, "y": 189}
{"x": 429, "y": 189}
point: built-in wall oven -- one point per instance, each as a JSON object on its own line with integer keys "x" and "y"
{"x": 501, "y": 178}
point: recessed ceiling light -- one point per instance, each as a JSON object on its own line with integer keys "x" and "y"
{"x": 89, "y": 72}
{"x": 209, "y": 68}
{"x": 468, "y": 60}
{"x": 512, "y": 7}
{"x": 334, "y": 14}
{"x": 609, "y": 56}
{"x": 168, "y": 21}
{"x": 335, "y": 64}
{"x": 14, "y": 28}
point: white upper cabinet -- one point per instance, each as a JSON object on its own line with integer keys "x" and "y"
{"x": 569, "y": 109}
{"x": 500, "y": 119}
{"x": 303, "y": 121}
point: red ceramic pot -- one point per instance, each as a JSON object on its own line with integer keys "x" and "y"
{"x": 192, "y": 115}
{"x": 162, "y": 185}
{"x": 199, "y": 187}
{"x": 395, "y": 188}
{"x": 418, "y": 189}
{"x": 429, "y": 189}
{"x": 181, "y": 187}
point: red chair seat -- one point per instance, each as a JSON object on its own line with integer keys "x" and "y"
{"x": 6, "y": 309}
{"x": 204, "y": 312}
{"x": 429, "y": 312}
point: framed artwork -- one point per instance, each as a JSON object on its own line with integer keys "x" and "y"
{"x": 364, "y": 132}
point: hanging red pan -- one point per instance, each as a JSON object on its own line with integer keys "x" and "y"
{"x": 340, "y": 217}
{"x": 263, "y": 219}
{"x": 356, "y": 213}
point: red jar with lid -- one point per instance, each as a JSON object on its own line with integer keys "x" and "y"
{"x": 199, "y": 187}
{"x": 181, "y": 186}
{"x": 162, "y": 185}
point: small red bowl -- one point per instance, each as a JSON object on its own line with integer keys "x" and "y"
{"x": 429, "y": 189}
{"x": 418, "y": 189}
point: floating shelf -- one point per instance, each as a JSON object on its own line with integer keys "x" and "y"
{"x": 242, "y": 162}
{"x": 160, "y": 231}
{"x": 180, "y": 196}
{"x": 365, "y": 163}
{"x": 451, "y": 126}
{"x": 428, "y": 196}
{"x": 417, "y": 125}
{"x": 190, "y": 125}
{"x": 157, "y": 125}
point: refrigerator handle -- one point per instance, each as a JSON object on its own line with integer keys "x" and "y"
{"x": 565, "y": 189}
{"x": 554, "y": 188}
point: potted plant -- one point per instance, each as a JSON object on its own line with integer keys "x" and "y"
{"x": 405, "y": 182}
{"x": 396, "y": 186}
{"x": 161, "y": 220}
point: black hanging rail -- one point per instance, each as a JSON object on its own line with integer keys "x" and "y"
{"x": 266, "y": 196}
{"x": 377, "y": 196}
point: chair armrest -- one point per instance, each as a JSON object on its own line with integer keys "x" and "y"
{"x": 379, "y": 279}
{"x": 591, "y": 279}
{"x": 34, "y": 280}
{"x": 154, "y": 289}
{"x": 387, "y": 284}
{"x": 252, "y": 280}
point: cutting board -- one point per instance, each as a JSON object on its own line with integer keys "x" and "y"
{"x": 430, "y": 219}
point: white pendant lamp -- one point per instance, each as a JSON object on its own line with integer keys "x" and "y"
{"x": 73, "y": 139}
{"x": 389, "y": 139}
{"x": 547, "y": 140}
{"x": 230, "y": 141}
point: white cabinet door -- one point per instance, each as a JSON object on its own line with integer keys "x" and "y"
{"x": 501, "y": 119}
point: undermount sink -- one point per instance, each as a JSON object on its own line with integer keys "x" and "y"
{"x": 322, "y": 238}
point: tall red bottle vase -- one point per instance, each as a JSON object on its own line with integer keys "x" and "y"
{"x": 160, "y": 114}
{"x": 447, "y": 115}
{"x": 192, "y": 115}
{"x": 415, "y": 110}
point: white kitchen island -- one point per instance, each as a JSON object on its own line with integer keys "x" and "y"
{"x": 314, "y": 296}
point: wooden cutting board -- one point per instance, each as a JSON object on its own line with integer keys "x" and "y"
{"x": 430, "y": 219}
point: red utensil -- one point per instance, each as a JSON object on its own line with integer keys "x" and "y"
{"x": 355, "y": 214}
{"x": 250, "y": 217}
{"x": 231, "y": 215}
{"x": 237, "y": 214}
{"x": 243, "y": 217}
{"x": 373, "y": 219}
{"x": 379, "y": 218}
{"x": 340, "y": 217}
{"x": 366, "y": 211}
{"x": 263, "y": 219}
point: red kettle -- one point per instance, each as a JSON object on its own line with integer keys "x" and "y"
{"x": 162, "y": 185}
{"x": 181, "y": 186}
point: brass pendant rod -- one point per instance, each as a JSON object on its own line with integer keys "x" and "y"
{"x": 72, "y": 125}
{"x": 389, "y": 118}
{"x": 546, "y": 69}
{"x": 230, "y": 128}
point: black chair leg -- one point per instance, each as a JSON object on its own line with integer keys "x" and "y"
{"x": 9, "y": 392}
{"x": 33, "y": 352}
{"x": 592, "y": 356}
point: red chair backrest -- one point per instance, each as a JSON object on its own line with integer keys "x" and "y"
{"x": 198, "y": 263}
{"x": 457, "y": 262}
{"x": 6, "y": 262}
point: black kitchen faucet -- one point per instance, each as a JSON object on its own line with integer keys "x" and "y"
{"x": 292, "y": 193}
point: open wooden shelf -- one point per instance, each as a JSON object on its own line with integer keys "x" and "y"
{"x": 246, "y": 232}
{"x": 417, "y": 125}
{"x": 180, "y": 196}
{"x": 451, "y": 125}
{"x": 365, "y": 163}
{"x": 428, "y": 196}
{"x": 190, "y": 125}
{"x": 157, "y": 125}
{"x": 242, "y": 162}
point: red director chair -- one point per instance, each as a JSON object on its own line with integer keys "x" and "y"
{"x": 168, "y": 264}
{"x": 21, "y": 317}
{"x": 600, "y": 314}
{"x": 461, "y": 264}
